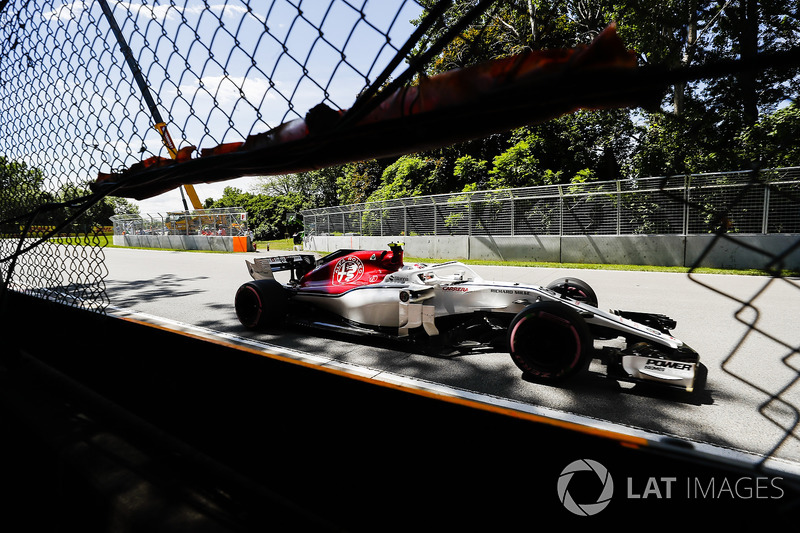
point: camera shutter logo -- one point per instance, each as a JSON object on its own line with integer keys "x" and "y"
{"x": 585, "y": 509}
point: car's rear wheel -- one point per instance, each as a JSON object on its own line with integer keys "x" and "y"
{"x": 261, "y": 303}
{"x": 576, "y": 289}
{"x": 548, "y": 341}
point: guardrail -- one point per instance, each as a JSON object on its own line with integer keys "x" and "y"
{"x": 222, "y": 222}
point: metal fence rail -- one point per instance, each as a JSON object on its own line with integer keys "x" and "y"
{"x": 90, "y": 87}
{"x": 741, "y": 202}
{"x": 73, "y": 108}
{"x": 221, "y": 221}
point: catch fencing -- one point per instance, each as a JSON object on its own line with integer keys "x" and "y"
{"x": 737, "y": 202}
{"x": 91, "y": 88}
{"x": 225, "y": 221}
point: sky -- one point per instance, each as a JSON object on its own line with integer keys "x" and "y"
{"x": 205, "y": 101}
{"x": 218, "y": 71}
{"x": 172, "y": 201}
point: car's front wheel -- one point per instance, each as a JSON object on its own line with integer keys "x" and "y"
{"x": 261, "y": 303}
{"x": 548, "y": 341}
{"x": 576, "y": 289}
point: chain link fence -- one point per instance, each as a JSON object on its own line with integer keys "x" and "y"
{"x": 94, "y": 87}
{"x": 740, "y": 202}
{"x": 88, "y": 87}
{"x": 224, "y": 221}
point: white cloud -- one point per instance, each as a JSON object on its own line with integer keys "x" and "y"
{"x": 68, "y": 10}
{"x": 64, "y": 11}
{"x": 171, "y": 200}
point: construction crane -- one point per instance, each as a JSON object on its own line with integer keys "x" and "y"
{"x": 160, "y": 125}
{"x": 166, "y": 138}
{"x": 192, "y": 197}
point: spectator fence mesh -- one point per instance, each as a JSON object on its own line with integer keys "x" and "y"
{"x": 73, "y": 107}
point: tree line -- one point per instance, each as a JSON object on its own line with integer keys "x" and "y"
{"x": 739, "y": 122}
{"x": 27, "y": 198}
{"x": 750, "y": 119}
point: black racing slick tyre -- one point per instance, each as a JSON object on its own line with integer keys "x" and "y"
{"x": 261, "y": 303}
{"x": 576, "y": 289}
{"x": 548, "y": 341}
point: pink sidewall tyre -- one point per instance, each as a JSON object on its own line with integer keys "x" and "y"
{"x": 261, "y": 304}
{"x": 548, "y": 341}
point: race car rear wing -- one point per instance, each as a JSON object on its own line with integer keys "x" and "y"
{"x": 264, "y": 267}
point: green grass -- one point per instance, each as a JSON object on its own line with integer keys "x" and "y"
{"x": 636, "y": 268}
{"x": 82, "y": 240}
{"x": 106, "y": 241}
{"x": 280, "y": 244}
{"x": 288, "y": 245}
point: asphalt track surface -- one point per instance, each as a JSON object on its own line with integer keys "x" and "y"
{"x": 743, "y": 327}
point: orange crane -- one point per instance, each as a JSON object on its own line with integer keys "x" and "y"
{"x": 166, "y": 138}
{"x": 160, "y": 125}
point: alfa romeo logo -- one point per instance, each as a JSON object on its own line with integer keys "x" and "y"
{"x": 591, "y": 508}
{"x": 348, "y": 270}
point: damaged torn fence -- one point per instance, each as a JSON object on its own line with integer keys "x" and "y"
{"x": 455, "y": 106}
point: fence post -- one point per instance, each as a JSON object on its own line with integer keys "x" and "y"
{"x": 765, "y": 213}
{"x": 513, "y": 214}
{"x": 687, "y": 183}
{"x": 619, "y": 207}
{"x": 435, "y": 217}
{"x": 469, "y": 215}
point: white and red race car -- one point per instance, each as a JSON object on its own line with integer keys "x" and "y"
{"x": 551, "y": 332}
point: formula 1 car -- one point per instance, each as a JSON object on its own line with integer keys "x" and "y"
{"x": 551, "y": 332}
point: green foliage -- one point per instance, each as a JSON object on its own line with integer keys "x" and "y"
{"x": 717, "y": 124}
{"x": 772, "y": 142}
{"x": 122, "y": 206}
{"x": 318, "y": 186}
{"x": 407, "y": 176}
{"x": 266, "y": 215}
{"x": 516, "y": 167}
{"x": 21, "y": 188}
{"x": 472, "y": 172}
{"x": 355, "y": 182}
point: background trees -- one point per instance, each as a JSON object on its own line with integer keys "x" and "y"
{"x": 714, "y": 124}
{"x": 269, "y": 216}
{"x": 711, "y": 124}
{"x": 23, "y": 189}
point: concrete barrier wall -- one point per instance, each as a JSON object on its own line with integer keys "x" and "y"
{"x": 186, "y": 242}
{"x": 775, "y": 251}
{"x": 657, "y": 250}
{"x": 740, "y": 251}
